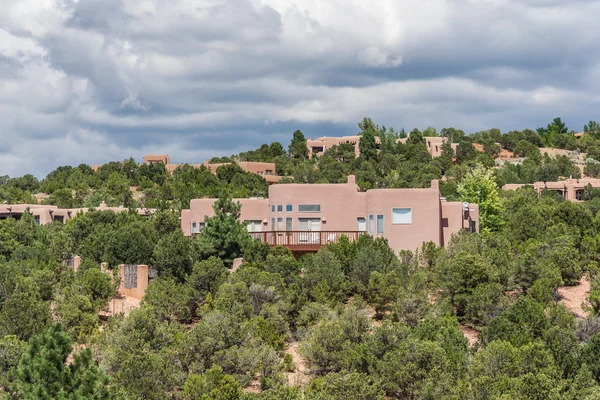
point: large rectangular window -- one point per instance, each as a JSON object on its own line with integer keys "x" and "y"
{"x": 289, "y": 208}
{"x": 361, "y": 224}
{"x": 254, "y": 226}
{"x": 380, "y": 224}
{"x": 279, "y": 224}
{"x": 279, "y": 208}
{"x": 194, "y": 227}
{"x": 309, "y": 208}
{"x": 371, "y": 224}
{"x": 288, "y": 224}
{"x": 273, "y": 223}
{"x": 401, "y": 216}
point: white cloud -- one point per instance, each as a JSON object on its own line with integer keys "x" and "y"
{"x": 202, "y": 78}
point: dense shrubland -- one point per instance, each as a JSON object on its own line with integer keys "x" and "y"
{"x": 367, "y": 323}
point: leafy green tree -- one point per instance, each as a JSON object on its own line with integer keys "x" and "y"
{"x": 592, "y": 128}
{"x": 45, "y": 373}
{"x": 337, "y": 386}
{"x": 298, "y": 148}
{"x": 367, "y": 144}
{"x": 224, "y": 235}
{"x": 213, "y": 385}
{"x": 479, "y": 187}
{"x": 172, "y": 256}
{"x": 11, "y": 350}
{"x": 23, "y": 312}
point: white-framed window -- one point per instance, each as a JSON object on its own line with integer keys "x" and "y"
{"x": 401, "y": 216}
{"x": 371, "y": 224}
{"x": 254, "y": 226}
{"x": 279, "y": 224}
{"x": 380, "y": 224}
{"x": 289, "y": 208}
{"x": 197, "y": 227}
{"x": 273, "y": 223}
{"x": 288, "y": 224}
{"x": 309, "y": 208}
{"x": 280, "y": 208}
{"x": 361, "y": 224}
{"x": 272, "y": 208}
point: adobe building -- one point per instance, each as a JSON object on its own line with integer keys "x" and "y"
{"x": 319, "y": 145}
{"x": 45, "y": 214}
{"x": 304, "y": 217}
{"x": 266, "y": 170}
{"x": 570, "y": 189}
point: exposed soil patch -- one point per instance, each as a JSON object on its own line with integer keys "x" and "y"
{"x": 575, "y": 297}
{"x": 471, "y": 335}
{"x": 120, "y": 305}
{"x": 300, "y": 377}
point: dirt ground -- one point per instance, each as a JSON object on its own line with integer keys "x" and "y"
{"x": 300, "y": 377}
{"x": 575, "y": 297}
{"x": 471, "y": 335}
{"x": 121, "y": 305}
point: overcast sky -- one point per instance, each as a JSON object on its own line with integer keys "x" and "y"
{"x": 98, "y": 80}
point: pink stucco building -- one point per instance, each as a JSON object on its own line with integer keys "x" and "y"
{"x": 310, "y": 215}
{"x": 319, "y": 145}
{"x": 264, "y": 169}
{"x": 571, "y": 189}
{"x": 45, "y": 214}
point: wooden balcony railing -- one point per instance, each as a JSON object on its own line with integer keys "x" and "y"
{"x": 303, "y": 240}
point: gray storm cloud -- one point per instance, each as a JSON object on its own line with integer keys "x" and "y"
{"x": 93, "y": 81}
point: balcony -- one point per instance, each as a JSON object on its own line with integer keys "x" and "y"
{"x": 303, "y": 241}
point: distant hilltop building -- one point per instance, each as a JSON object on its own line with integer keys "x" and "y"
{"x": 264, "y": 169}
{"x": 319, "y": 145}
{"x": 304, "y": 217}
{"x": 570, "y": 189}
{"x": 45, "y": 214}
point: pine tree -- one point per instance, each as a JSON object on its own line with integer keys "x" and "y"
{"x": 45, "y": 373}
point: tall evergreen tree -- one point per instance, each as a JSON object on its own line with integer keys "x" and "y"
{"x": 45, "y": 373}
{"x": 298, "y": 148}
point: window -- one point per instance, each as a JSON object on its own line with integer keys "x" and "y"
{"x": 201, "y": 226}
{"x": 279, "y": 208}
{"x": 289, "y": 208}
{"x": 59, "y": 218}
{"x": 37, "y": 219}
{"x": 254, "y": 226}
{"x": 268, "y": 172}
{"x": 361, "y": 224}
{"x": 309, "y": 208}
{"x": 579, "y": 195}
{"x": 371, "y": 224}
{"x": 194, "y": 227}
{"x": 272, "y": 208}
{"x": 473, "y": 227}
{"x": 380, "y": 224}
{"x": 309, "y": 224}
{"x": 401, "y": 216}
{"x": 279, "y": 224}
{"x": 288, "y": 224}
{"x": 273, "y": 223}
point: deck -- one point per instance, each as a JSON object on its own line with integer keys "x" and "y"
{"x": 303, "y": 241}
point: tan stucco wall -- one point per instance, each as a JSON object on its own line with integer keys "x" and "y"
{"x": 142, "y": 282}
{"x": 341, "y": 205}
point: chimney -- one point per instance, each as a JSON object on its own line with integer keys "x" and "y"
{"x": 351, "y": 180}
